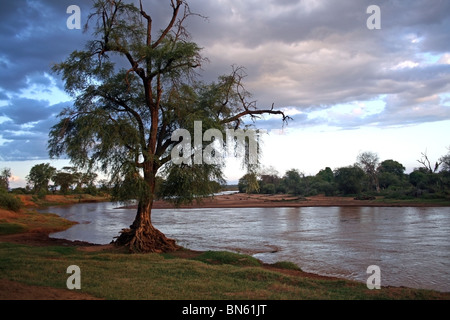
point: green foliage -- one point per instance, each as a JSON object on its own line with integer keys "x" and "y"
{"x": 64, "y": 180}
{"x": 325, "y": 187}
{"x": 39, "y": 177}
{"x": 268, "y": 188}
{"x": 184, "y": 184}
{"x": 9, "y": 201}
{"x": 326, "y": 175}
{"x": 225, "y": 257}
{"x": 11, "y": 228}
{"x": 5, "y": 174}
{"x": 249, "y": 183}
{"x": 349, "y": 180}
{"x": 389, "y": 176}
{"x": 368, "y": 161}
{"x": 114, "y": 275}
{"x": 287, "y": 265}
{"x": 392, "y": 167}
{"x": 291, "y": 181}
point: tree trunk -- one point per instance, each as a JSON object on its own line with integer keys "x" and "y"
{"x": 142, "y": 236}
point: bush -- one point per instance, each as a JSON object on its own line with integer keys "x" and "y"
{"x": 10, "y": 202}
{"x": 286, "y": 265}
{"x": 268, "y": 188}
{"x": 225, "y": 257}
{"x": 11, "y": 228}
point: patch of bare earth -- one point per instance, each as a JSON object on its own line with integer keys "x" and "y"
{"x": 12, "y": 290}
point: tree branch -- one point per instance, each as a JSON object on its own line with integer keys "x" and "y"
{"x": 254, "y": 113}
{"x": 176, "y": 9}
{"x": 149, "y": 24}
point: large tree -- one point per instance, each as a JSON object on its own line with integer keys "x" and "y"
{"x": 132, "y": 88}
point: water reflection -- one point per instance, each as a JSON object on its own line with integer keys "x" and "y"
{"x": 411, "y": 245}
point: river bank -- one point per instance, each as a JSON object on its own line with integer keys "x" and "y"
{"x": 264, "y": 281}
{"x": 242, "y": 200}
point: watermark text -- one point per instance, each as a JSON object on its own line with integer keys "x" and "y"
{"x": 74, "y": 281}
{"x": 74, "y": 20}
{"x": 374, "y": 281}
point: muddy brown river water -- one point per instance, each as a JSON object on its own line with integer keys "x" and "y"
{"x": 410, "y": 245}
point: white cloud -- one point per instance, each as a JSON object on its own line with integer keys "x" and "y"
{"x": 445, "y": 59}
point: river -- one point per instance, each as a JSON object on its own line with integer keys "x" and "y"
{"x": 410, "y": 245}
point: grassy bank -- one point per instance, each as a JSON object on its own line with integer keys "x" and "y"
{"x": 111, "y": 274}
{"x": 415, "y": 202}
{"x": 33, "y": 201}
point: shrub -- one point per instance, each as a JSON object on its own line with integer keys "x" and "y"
{"x": 224, "y": 257}
{"x": 10, "y": 202}
{"x": 287, "y": 265}
{"x": 11, "y": 228}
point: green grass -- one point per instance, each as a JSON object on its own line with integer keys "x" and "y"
{"x": 287, "y": 265}
{"x": 34, "y": 221}
{"x": 224, "y": 257}
{"x": 11, "y": 228}
{"x": 211, "y": 275}
{"x": 10, "y": 202}
{"x": 416, "y": 201}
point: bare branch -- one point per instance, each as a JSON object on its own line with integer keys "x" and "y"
{"x": 149, "y": 24}
{"x": 427, "y": 164}
{"x": 176, "y": 8}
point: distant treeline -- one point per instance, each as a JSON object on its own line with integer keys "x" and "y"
{"x": 44, "y": 179}
{"x": 367, "y": 176}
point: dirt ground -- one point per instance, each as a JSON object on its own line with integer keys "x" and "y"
{"x": 12, "y": 290}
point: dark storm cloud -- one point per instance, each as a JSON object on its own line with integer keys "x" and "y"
{"x": 33, "y": 36}
{"x": 22, "y": 110}
{"x": 305, "y": 54}
{"x": 21, "y": 150}
{"x": 316, "y": 54}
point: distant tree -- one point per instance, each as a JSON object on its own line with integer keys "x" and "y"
{"x": 393, "y": 167}
{"x": 269, "y": 180}
{"x": 326, "y": 175}
{"x": 419, "y": 177}
{"x": 40, "y": 176}
{"x": 291, "y": 181}
{"x": 324, "y": 182}
{"x": 445, "y": 161}
{"x": 368, "y": 161}
{"x": 267, "y": 188}
{"x": 445, "y": 172}
{"x": 349, "y": 180}
{"x": 388, "y": 179}
{"x": 426, "y": 164}
{"x": 249, "y": 183}
{"x": 5, "y": 174}
{"x": 64, "y": 180}
{"x": 390, "y": 173}
{"x": 86, "y": 182}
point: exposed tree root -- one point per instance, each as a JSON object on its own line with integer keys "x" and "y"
{"x": 145, "y": 240}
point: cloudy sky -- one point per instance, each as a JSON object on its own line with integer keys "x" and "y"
{"x": 348, "y": 89}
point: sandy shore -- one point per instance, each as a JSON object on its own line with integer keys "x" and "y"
{"x": 242, "y": 200}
